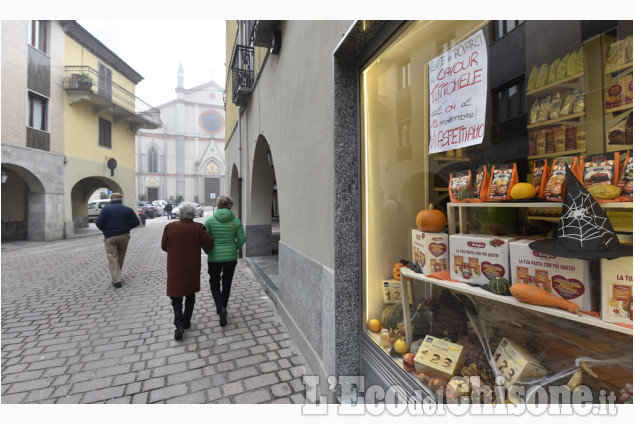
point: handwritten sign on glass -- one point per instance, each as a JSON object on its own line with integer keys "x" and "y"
{"x": 458, "y": 95}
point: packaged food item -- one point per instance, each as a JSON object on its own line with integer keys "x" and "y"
{"x": 554, "y": 107}
{"x": 617, "y": 290}
{"x": 560, "y": 138}
{"x": 553, "y": 71}
{"x": 533, "y": 113}
{"x": 615, "y": 95}
{"x": 554, "y": 190}
{"x": 617, "y": 134}
{"x": 561, "y": 72}
{"x": 479, "y": 178}
{"x": 626, "y": 178}
{"x": 567, "y": 104}
{"x": 617, "y": 55}
{"x": 531, "y": 83}
{"x": 569, "y": 278}
{"x": 532, "y": 143}
{"x": 580, "y": 63}
{"x": 543, "y": 113}
{"x": 600, "y": 169}
{"x": 580, "y": 139}
{"x": 503, "y": 177}
{"x": 516, "y": 364}
{"x": 550, "y": 140}
{"x": 628, "y": 129}
{"x": 627, "y": 83}
{"x": 392, "y": 291}
{"x": 477, "y": 259}
{"x": 579, "y": 105}
{"x": 543, "y": 74}
{"x": 459, "y": 181}
{"x": 430, "y": 251}
{"x": 439, "y": 357}
{"x": 540, "y": 142}
{"x": 570, "y": 139}
{"x": 572, "y": 65}
{"x": 540, "y": 177}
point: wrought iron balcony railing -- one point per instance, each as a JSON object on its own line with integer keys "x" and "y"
{"x": 242, "y": 73}
{"x": 84, "y": 79}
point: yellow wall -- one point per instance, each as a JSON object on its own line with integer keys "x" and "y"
{"x": 231, "y": 112}
{"x": 81, "y": 129}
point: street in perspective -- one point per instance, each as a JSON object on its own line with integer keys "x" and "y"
{"x": 69, "y": 336}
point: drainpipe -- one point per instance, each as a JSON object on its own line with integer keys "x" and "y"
{"x": 240, "y": 136}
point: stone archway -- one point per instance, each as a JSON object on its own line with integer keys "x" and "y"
{"x": 81, "y": 192}
{"x": 23, "y": 205}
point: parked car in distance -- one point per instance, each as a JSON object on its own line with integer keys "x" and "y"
{"x": 159, "y": 207}
{"x": 94, "y": 208}
{"x": 142, "y": 215}
{"x": 148, "y": 209}
{"x": 199, "y": 211}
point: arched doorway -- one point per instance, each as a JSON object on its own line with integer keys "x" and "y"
{"x": 260, "y": 236}
{"x": 234, "y": 190}
{"x": 81, "y": 192}
{"x": 23, "y": 205}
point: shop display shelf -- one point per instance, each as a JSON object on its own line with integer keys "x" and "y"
{"x": 544, "y": 218}
{"x": 557, "y": 154}
{"x": 510, "y": 300}
{"x": 557, "y": 120}
{"x": 615, "y": 148}
{"x": 618, "y": 68}
{"x": 619, "y": 108}
{"x": 441, "y": 189}
{"x": 451, "y": 158}
{"x": 556, "y": 85}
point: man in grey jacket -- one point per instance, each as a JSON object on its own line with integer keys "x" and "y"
{"x": 115, "y": 221}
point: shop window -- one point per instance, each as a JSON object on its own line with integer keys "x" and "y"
{"x": 38, "y": 35}
{"x": 105, "y": 133}
{"x": 153, "y": 160}
{"x": 38, "y": 112}
{"x": 501, "y": 28}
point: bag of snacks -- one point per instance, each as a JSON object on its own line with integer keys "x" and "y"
{"x": 555, "y": 106}
{"x": 572, "y": 64}
{"x": 553, "y": 71}
{"x": 540, "y": 176}
{"x": 533, "y": 114}
{"x": 578, "y": 104}
{"x": 554, "y": 189}
{"x": 461, "y": 180}
{"x": 531, "y": 83}
{"x": 543, "y": 73}
{"x": 580, "y": 63}
{"x": 481, "y": 172}
{"x": 567, "y": 105}
{"x": 601, "y": 169}
{"x": 626, "y": 179}
{"x": 503, "y": 178}
{"x": 561, "y": 72}
{"x": 543, "y": 113}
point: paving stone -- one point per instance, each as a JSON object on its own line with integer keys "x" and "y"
{"x": 13, "y": 398}
{"x": 253, "y": 397}
{"x": 154, "y": 383}
{"x": 260, "y": 381}
{"x": 186, "y": 376}
{"x": 103, "y": 394}
{"x": 281, "y": 390}
{"x": 268, "y": 367}
{"x": 232, "y": 388}
{"x": 298, "y": 399}
{"x": 192, "y": 398}
{"x": 167, "y": 392}
{"x": 225, "y": 366}
{"x": 242, "y": 373}
{"x": 141, "y": 398}
{"x": 36, "y": 384}
{"x": 213, "y": 394}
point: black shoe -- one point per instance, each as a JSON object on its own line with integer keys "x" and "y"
{"x": 223, "y": 317}
{"x": 187, "y": 326}
{"x": 178, "y": 333}
{"x": 117, "y": 285}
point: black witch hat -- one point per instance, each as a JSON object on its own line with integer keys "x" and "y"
{"x": 585, "y": 231}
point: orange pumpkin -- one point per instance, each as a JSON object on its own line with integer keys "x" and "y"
{"x": 395, "y": 270}
{"x": 431, "y": 220}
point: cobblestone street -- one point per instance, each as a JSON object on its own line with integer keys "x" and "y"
{"x": 68, "y": 336}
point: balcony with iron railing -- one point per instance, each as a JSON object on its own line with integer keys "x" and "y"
{"x": 83, "y": 83}
{"x": 242, "y": 74}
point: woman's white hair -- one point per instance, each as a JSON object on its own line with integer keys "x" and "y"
{"x": 187, "y": 210}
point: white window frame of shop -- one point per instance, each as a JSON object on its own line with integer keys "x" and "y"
{"x": 37, "y": 111}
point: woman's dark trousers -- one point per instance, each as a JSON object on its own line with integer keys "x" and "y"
{"x": 221, "y": 273}
{"x": 183, "y": 317}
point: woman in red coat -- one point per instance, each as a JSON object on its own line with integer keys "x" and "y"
{"x": 183, "y": 240}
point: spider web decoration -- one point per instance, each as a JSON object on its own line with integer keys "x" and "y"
{"x": 583, "y": 225}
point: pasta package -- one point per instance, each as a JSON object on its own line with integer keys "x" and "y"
{"x": 459, "y": 181}
{"x": 540, "y": 142}
{"x": 532, "y": 143}
{"x": 570, "y": 139}
{"x": 600, "y": 169}
{"x": 560, "y": 138}
{"x": 540, "y": 176}
{"x": 554, "y": 189}
{"x": 626, "y": 178}
{"x": 503, "y": 178}
{"x": 550, "y": 140}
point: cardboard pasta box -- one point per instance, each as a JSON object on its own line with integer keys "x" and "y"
{"x": 436, "y": 355}
{"x": 617, "y": 290}
{"x": 476, "y": 259}
{"x": 568, "y": 278}
{"x": 515, "y": 363}
{"x": 430, "y": 251}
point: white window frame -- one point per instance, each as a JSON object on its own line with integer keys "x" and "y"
{"x": 35, "y": 40}
{"x": 46, "y": 111}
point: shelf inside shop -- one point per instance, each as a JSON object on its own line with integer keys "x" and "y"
{"x": 451, "y": 158}
{"x": 625, "y": 205}
{"x": 615, "y": 148}
{"x": 544, "y": 218}
{"x": 556, "y": 84}
{"x": 620, "y": 108}
{"x": 467, "y": 289}
{"x": 441, "y": 189}
{"x": 618, "y": 68}
{"x": 557, "y": 154}
{"x": 556, "y": 120}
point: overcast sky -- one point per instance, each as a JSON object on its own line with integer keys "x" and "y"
{"x": 155, "y": 48}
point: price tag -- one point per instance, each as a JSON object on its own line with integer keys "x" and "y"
{"x": 439, "y": 356}
{"x": 516, "y": 364}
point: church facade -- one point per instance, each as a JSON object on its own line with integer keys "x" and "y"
{"x": 185, "y": 159}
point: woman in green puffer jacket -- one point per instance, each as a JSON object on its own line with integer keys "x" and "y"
{"x": 229, "y": 236}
